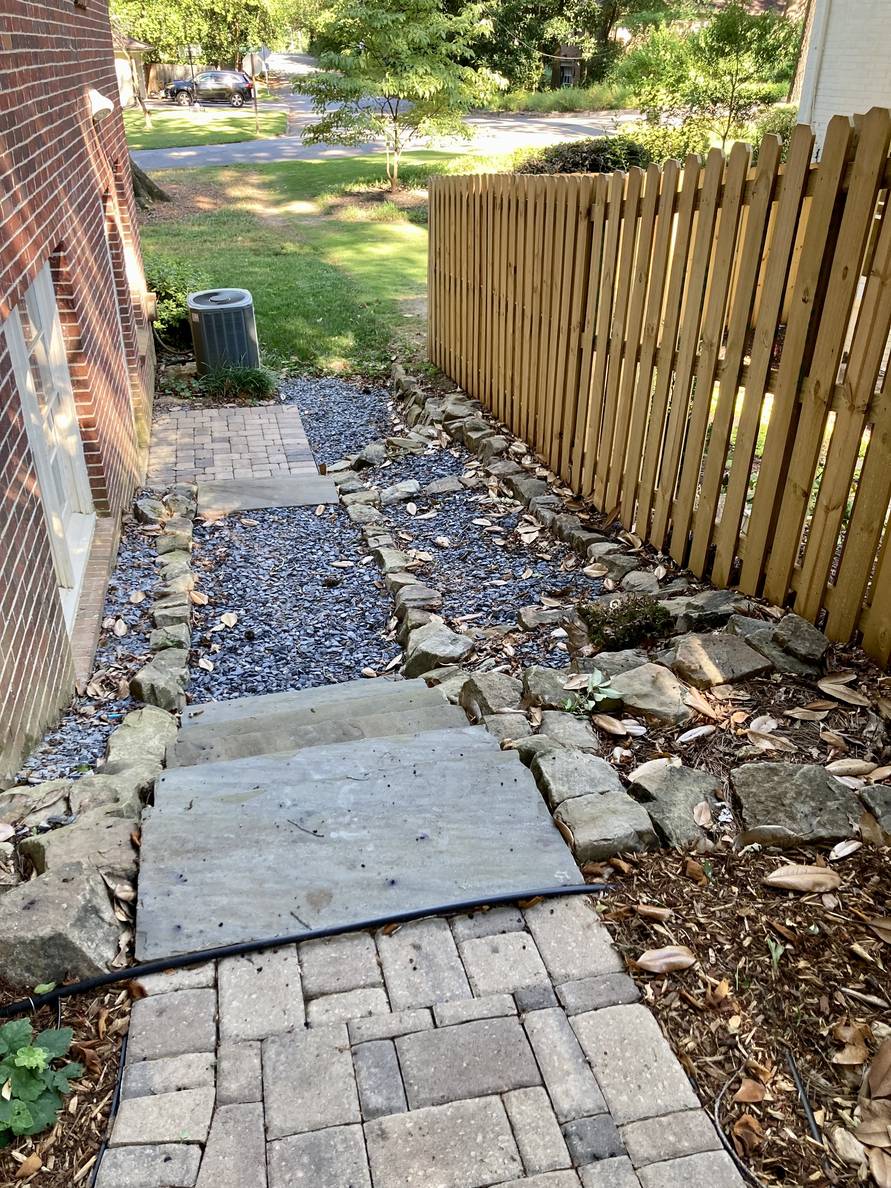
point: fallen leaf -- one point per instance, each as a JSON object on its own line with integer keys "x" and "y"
{"x": 411, "y": 508}
{"x": 198, "y": 599}
{"x": 806, "y": 715}
{"x": 870, "y": 830}
{"x": 833, "y": 739}
{"x": 841, "y": 692}
{"x": 875, "y": 1127}
{"x": 666, "y": 960}
{"x": 6, "y": 831}
{"x": 660, "y": 572}
{"x": 881, "y": 926}
{"x": 29, "y": 1167}
{"x": 770, "y": 742}
{"x": 879, "y": 775}
{"x": 609, "y": 724}
{"x": 342, "y": 564}
{"x": 847, "y": 1147}
{"x": 651, "y": 911}
{"x": 206, "y": 664}
{"x": 634, "y": 728}
{"x": 748, "y": 1133}
{"x": 369, "y": 672}
{"x": 702, "y": 814}
{"x": 653, "y": 765}
{"x": 750, "y": 1091}
{"x": 229, "y": 619}
{"x": 138, "y": 596}
{"x": 764, "y": 724}
{"x": 844, "y": 849}
{"x": 880, "y": 1167}
{"x": 120, "y": 628}
{"x": 694, "y": 870}
{"x": 578, "y": 681}
{"x": 597, "y": 570}
{"x": 697, "y": 701}
{"x": 850, "y": 767}
{"x": 696, "y": 733}
{"x": 879, "y": 1077}
{"x": 794, "y": 877}
{"x": 853, "y": 1054}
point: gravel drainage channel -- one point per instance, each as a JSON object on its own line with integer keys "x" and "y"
{"x": 290, "y": 605}
{"x": 339, "y": 417}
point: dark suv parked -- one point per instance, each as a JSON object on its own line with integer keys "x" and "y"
{"x": 212, "y": 86}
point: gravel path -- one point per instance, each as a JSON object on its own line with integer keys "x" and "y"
{"x": 339, "y": 418}
{"x": 302, "y": 620}
{"x": 78, "y": 741}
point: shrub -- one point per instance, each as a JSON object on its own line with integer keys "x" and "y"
{"x": 33, "y": 1088}
{"x": 625, "y": 621}
{"x": 600, "y": 97}
{"x": 230, "y": 381}
{"x": 172, "y": 281}
{"x": 601, "y": 154}
{"x": 778, "y": 120}
{"x": 664, "y": 141}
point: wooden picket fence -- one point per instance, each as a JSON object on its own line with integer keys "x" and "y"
{"x": 701, "y": 351}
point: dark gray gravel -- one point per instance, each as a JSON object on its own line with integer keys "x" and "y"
{"x": 79, "y": 740}
{"x": 339, "y": 418}
{"x": 301, "y": 620}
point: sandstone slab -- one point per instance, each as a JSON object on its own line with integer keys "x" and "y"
{"x": 669, "y": 794}
{"x": 606, "y": 824}
{"x": 787, "y": 804}
{"x": 720, "y": 659}
{"x": 655, "y": 692}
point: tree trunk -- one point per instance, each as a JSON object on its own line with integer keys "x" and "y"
{"x": 145, "y": 191}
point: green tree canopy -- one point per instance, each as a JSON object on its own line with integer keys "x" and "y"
{"x": 400, "y": 72}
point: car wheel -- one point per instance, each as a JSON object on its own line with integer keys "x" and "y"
{"x": 237, "y": 99}
{"x": 183, "y": 98}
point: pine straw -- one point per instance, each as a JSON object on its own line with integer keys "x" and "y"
{"x": 776, "y": 970}
{"x": 68, "y": 1151}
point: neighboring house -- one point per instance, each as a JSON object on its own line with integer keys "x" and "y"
{"x": 129, "y": 63}
{"x": 846, "y": 60}
{"x": 76, "y": 358}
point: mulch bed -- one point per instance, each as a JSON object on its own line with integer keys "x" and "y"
{"x": 67, "y": 1153}
{"x": 776, "y": 972}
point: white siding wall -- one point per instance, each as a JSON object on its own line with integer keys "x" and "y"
{"x": 848, "y": 67}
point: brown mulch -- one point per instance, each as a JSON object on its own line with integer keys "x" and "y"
{"x": 776, "y": 972}
{"x": 67, "y": 1153}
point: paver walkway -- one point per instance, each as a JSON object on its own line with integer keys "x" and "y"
{"x": 500, "y": 1048}
{"x": 191, "y": 445}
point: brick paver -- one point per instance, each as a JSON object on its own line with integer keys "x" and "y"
{"x": 452, "y": 1081}
{"x": 226, "y": 443}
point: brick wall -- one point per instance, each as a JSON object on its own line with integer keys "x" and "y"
{"x": 848, "y": 65}
{"x": 65, "y": 199}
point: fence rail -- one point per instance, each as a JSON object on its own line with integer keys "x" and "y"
{"x": 700, "y": 350}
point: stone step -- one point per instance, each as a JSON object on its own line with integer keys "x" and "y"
{"x": 215, "y": 712}
{"x": 284, "y": 734}
{"x": 334, "y": 834}
{"x": 222, "y": 497}
{"x": 354, "y": 761}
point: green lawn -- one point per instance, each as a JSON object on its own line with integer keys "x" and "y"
{"x": 181, "y": 127}
{"x": 330, "y": 289}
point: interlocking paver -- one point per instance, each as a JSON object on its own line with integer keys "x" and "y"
{"x": 331, "y": 1158}
{"x": 467, "y": 1060}
{"x": 488, "y": 923}
{"x": 235, "y": 1155}
{"x": 378, "y": 1079}
{"x": 464, "y": 1010}
{"x": 502, "y": 964}
{"x": 558, "y": 1179}
{"x": 422, "y": 965}
{"x": 590, "y": 1139}
{"x": 387, "y": 1026}
{"x": 260, "y": 995}
{"x": 610, "y": 1173}
{"x": 634, "y": 1065}
{"x": 449, "y": 1146}
{"x": 159, "y": 1166}
{"x": 351, "y": 1004}
{"x": 182, "y": 1117}
{"x": 535, "y": 998}
{"x": 198, "y": 978}
{"x": 347, "y": 962}
{"x": 567, "y": 1076}
{"x": 536, "y": 1130}
{"x": 714, "y": 1169}
{"x": 670, "y": 1137}
{"x": 571, "y": 940}
{"x": 143, "y": 1078}
{"x": 308, "y": 1081}
{"x": 239, "y": 1075}
{"x": 173, "y": 1024}
{"x": 591, "y": 994}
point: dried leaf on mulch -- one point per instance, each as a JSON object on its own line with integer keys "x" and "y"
{"x": 774, "y": 971}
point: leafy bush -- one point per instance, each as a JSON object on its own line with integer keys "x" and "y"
{"x": 664, "y": 141}
{"x": 600, "y": 154}
{"x": 601, "y": 97}
{"x": 779, "y": 120}
{"x": 230, "y": 381}
{"x": 172, "y": 281}
{"x": 32, "y": 1087}
{"x": 625, "y": 621}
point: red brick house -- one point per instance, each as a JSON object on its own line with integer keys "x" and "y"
{"x": 76, "y": 359}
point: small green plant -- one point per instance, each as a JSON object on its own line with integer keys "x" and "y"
{"x": 230, "y": 381}
{"x": 624, "y": 622}
{"x": 598, "y": 154}
{"x": 172, "y": 281}
{"x": 588, "y": 700}
{"x": 31, "y": 1089}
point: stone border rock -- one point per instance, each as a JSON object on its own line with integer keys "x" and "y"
{"x": 74, "y": 918}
